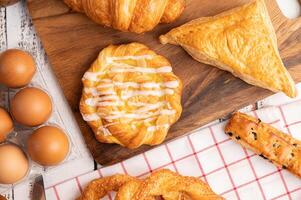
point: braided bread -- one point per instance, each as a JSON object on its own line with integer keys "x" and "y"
{"x": 163, "y": 183}
{"x": 131, "y": 96}
{"x": 129, "y": 15}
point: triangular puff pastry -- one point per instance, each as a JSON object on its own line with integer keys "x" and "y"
{"x": 241, "y": 41}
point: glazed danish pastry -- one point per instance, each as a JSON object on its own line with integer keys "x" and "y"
{"x": 129, "y": 15}
{"x": 130, "y": 96}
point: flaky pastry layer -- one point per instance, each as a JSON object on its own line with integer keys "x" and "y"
{"x": 129, "y": 15}
{"x": 241, "y": 41}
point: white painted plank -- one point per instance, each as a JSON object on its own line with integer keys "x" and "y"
{"x": 6, "y": 192}
{"x": 23, "y": 191}
{"x": 2, "y": 29}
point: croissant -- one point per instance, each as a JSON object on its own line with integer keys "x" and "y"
{"x": 129, "y": 15}
{"x": 241, "y": 41}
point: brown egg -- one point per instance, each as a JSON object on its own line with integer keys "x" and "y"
{"x": 17, "y": 68}
{"x": 6, "y": 124}
{"x": 2, "y": 197}
{"x": 13, "y": 164}
{"x": 31, "y": 107}
{"x": 48, "y": 145}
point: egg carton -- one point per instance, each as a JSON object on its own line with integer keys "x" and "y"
{"x": 20, "y": 134}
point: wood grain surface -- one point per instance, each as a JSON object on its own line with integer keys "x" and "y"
{"x": 72, "y": 42}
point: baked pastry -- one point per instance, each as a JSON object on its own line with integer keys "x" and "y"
{"x": 129, "y": 15}
{"x": 130, "y": 96}
{"x": 99, "y": 188}
{"x": 270, "y": 143}
{"x": 163, "y": 183}
{"x": 241, "y": 41}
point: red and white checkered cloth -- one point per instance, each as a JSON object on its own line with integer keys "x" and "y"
{"x": 208, "y": 153}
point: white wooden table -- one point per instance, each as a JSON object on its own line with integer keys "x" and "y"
{"x": 16, "y": 30}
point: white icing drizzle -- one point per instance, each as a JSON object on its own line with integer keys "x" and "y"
{"x": 103, "y": 101}
{"x": 123, "y": 67}
{"x": 167, "y": 112}
{"x": 133, "y": 126}
{"x": 169, "y": 105}
{"x": 104, "y": 129}
{"x": 96, "y": 92}
{"x": 149, "y": 119}
{"x": 107, "y": 92}
{"x": 164, "y": 69}
{"x": 147, "y": 57}
{"x": 149, "y": 85}
{"x": 104, "y": 94}
{"x": 171, "y": 84}
{"x": 158, "y": 93}
{"x": 105, "y": 80}
{"x": 94, "y": 101}
{"x": 91, "y": 117}
{"x": 106, "y": 85}
{"x": 155, "y": 128}
{"x": 92, "y": 76}
{"x": 91, "y": 90}
{"x": 149, "y": 107}
{"x": 110, "y": 103}
{"x": 117, "y": 115}
{"x": 141, "y": 115}
{"x": 139, "y": 104}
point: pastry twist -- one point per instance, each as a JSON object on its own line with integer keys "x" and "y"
{"x": 164, "y": 183}
{"x": 129, "y": 15}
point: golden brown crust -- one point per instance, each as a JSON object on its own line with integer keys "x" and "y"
{"x": 163, "y": 183}
{"x": 173, "y": 6}
{"x": 129, "y": 15}
{"x": 99, "y": 188}
{"x": 241, "y": 41}
{"x": 280, "y": 148}
{"x": 131, "y": 96}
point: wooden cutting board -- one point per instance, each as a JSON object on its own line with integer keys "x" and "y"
{"x": 72, "y": 42}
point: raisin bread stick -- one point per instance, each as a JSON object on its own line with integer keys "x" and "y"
{"x": 270, "y": 143}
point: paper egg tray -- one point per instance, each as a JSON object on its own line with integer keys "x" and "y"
{"x": 20, "y": 133}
